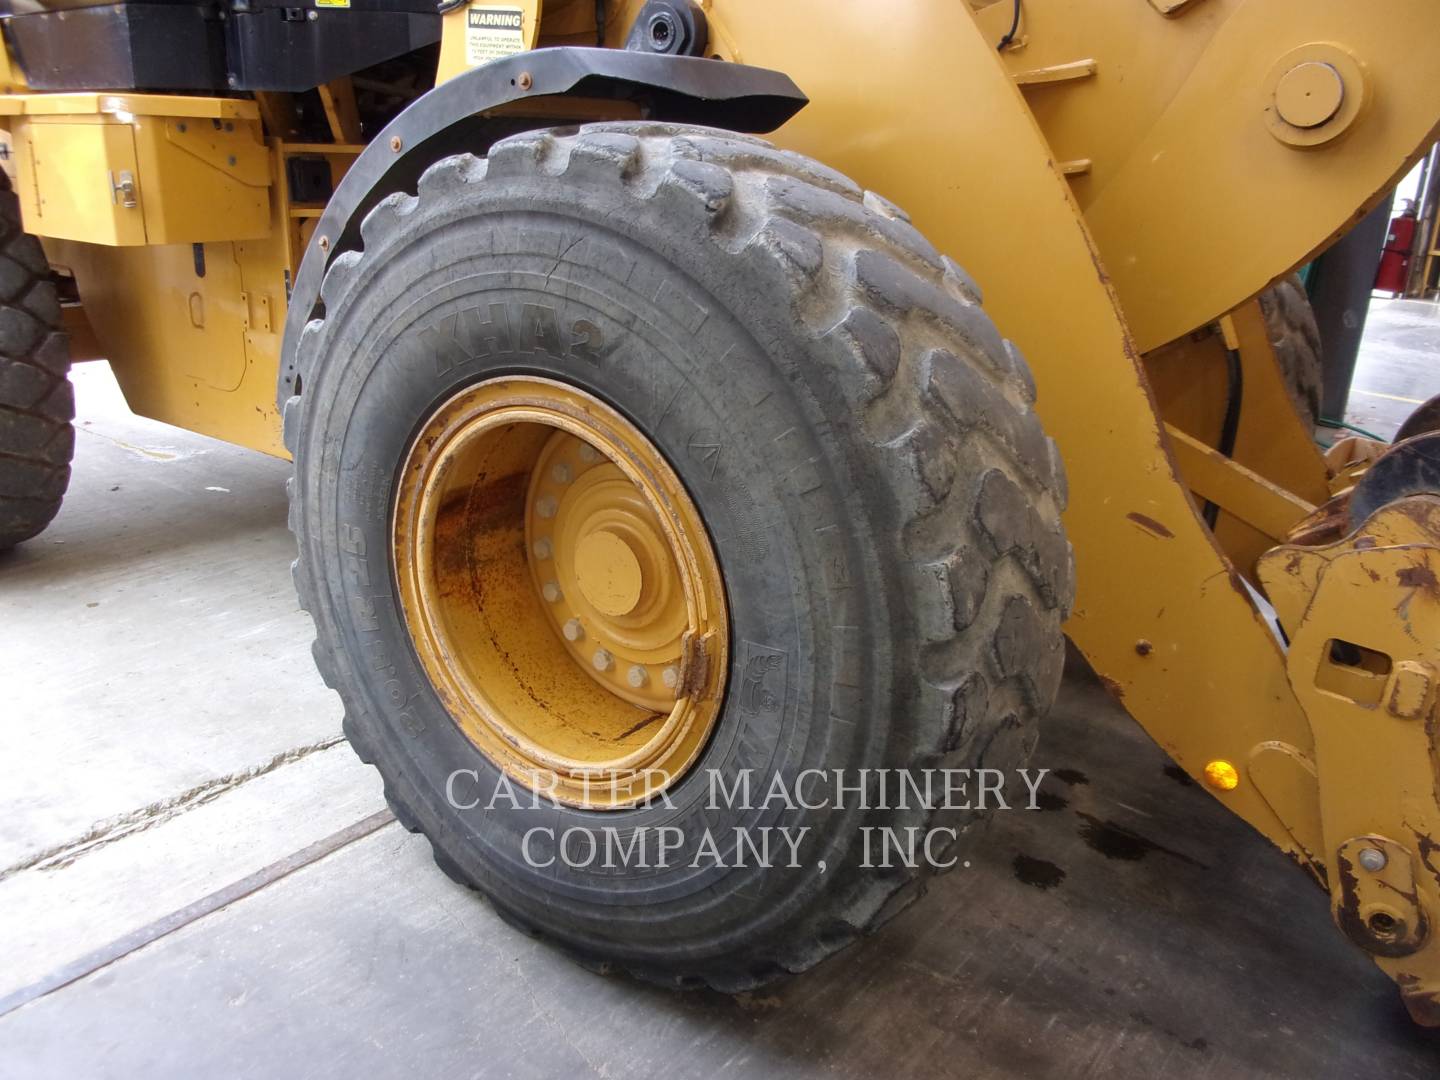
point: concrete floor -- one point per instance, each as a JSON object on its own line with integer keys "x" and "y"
{"x": 197, "y": 876}
{"x": 1399, "y": 364}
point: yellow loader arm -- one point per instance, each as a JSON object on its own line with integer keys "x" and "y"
{"x": 1126, "y": 173}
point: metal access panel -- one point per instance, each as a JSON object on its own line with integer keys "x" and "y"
{"x": 125, "y": 170}
{"x": 77, "y": 181}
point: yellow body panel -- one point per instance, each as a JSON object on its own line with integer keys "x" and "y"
{"x": 203, "y": 180}
{"x": 1266, "y": 508}
{"x": 1272, "y": 438}
{"x": 123, "y": 106}
{"x": 72, "y": 180}
{"x": 197, "y": 351}
{"x": 1193, "y": 200}
{"x": 124, "y": 178}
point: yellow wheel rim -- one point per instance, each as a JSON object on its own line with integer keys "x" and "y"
{"x": 561, "y": 591}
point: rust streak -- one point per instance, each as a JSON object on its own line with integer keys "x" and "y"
{"x": 1428, "y": 849}
{"x": 1418, "y": 577}
{"x": 1150, "y": 525}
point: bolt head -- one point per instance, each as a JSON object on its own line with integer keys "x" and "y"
{"x": 637, "y": 676}
{"x": 589, "y": 454}
{"x": 602, "y": 660}
{"x": 1373, "y": 859}
{"x": 670, "y": 676}
{"x": 572, "y": 630}
{"x": 542, "y": 548}
{"x": 525, "y": 80}
{"x": 551, "y": 591}
{"x": 1310, "y": 94}
{"x": 561, "y": 473}
{"x": 546, "y": 506}
{"x": 396, "y": 145}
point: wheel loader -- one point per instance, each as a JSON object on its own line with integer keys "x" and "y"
{"x": 683, "y": 393}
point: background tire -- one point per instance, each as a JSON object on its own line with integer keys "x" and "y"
{"x": 1423, "y": 421}
{"x": 1296, "y": 338}
{"x": 858, "y": 438}
{"x": 37, "y": 403}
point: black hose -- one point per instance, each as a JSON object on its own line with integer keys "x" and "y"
{"x": 1009, "y": 38}
{"x": 1230, "y": 428}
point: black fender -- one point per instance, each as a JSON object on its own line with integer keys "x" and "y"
{"x": 449, "y": 120}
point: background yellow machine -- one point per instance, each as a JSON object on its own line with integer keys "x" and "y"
{"x": 631, "y": 448}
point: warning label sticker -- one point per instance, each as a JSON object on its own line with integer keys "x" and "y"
{"x": 493, "y": 32}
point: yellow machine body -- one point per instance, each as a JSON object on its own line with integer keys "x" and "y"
{"x": 1123, "y": 179}
{"x": 126, "y": 170}
{"x": 172, "y": 214}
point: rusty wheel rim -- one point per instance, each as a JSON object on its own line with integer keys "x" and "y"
{"x": 561, "y": 591}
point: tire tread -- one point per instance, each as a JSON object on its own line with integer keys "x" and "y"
{"x": 37, "y": 401}
{"x": 931, "y": 387}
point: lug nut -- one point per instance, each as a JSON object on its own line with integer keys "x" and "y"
{"x": 572, "y": 630}
{"x": 1373, "y": 859}
{"x": 561, "y": 473}
{"x": 602, "y": 660}
{"x": 551, "y": 590}
{"x": 542, "y": 548}
{"x": 546, "y": 506}
{"x": 589, "y": 454}
{"x": 637, "y": 676}
{"x": 670, "y": 677}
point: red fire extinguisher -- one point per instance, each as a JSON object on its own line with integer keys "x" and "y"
{"x": 1394, "y": 269}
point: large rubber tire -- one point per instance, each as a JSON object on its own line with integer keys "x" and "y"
{"x": 1293, "y": 332}
{"x": 1423, "y": 421}
{"x": 37, "y": 403}
{"x": 857, "y": 436}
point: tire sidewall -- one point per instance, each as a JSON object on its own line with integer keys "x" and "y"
{"x": 739, "y": 412}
